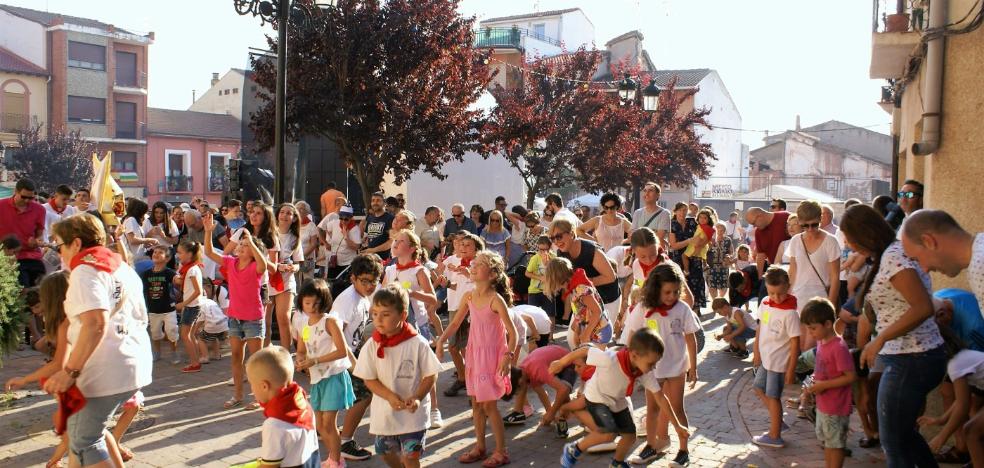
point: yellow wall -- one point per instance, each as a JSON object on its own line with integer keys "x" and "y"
{"x": 38, "y": 101}
{"x": 955, "y": 173}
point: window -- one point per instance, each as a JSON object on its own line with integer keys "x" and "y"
{"x": 235, "y": 90}
{"x": 82, "y": 55}
{"x": 217, "y": 164}
{"x": 126, "y": 120}
{"x": 539, "y": 30}
{"x": 177, "y": 170}
{"x": 124, "y": 161}
{"x": 86, "y": 109}
{"x": 126, "y": 69}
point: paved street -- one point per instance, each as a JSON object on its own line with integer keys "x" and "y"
{"x": 183, "y": 423}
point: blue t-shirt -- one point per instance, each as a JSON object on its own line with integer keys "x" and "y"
{"x": 967, "y": 322}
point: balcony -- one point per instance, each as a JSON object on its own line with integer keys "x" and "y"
{"x": 216, "y": 183}
{"x": 130, "y": 83}
{"x": 896, "y": 31}
{"x": 178, "y": 183}
{"x": 131, "y": 132}
{"x": 514, "y": 38}
{"x": 16, "y": 122}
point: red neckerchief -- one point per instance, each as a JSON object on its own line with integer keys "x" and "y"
{"x": 290, "y": 405}
{"x": 578, "y": 279}
{"x": 184, "y": 270}
{"x": 465, "y": 262}
{"x": 306, "y": 220}
{"x": 384, "y": 341}
{"x": 788, "y": 304}
{"x": 55, "y": 208}
{"x": 708, "y": 230}
{"x": 69, "y": 403}
{"x": 663, "y": 310}
{"x": 587, "y": 372}
{"x": 647, "y": 267}
{"x": 627, "y": 369}
{"x": 277, "y": 281}
{"x": 97, "y": 257}
{"x": 746, "y": 290}
{"x": 408, "y": 266}
{"x": 347, "y": 224}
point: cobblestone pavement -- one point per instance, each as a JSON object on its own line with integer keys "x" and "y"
{"x": 184, "y": 424}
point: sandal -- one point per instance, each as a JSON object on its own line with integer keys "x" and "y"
{"x": 952, "y": 456}
{"x": 497, "y": 459}
{"x": 866, "y": 442}
{"x": 232, "y": 403}
{"x": 472, "y": 456}
{"x": 253, "y": 405}
{"x": 125, "y": 453}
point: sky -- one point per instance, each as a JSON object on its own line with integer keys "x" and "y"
{"x": 777, "y": 58}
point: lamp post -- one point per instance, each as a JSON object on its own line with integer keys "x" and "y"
{"x": 277, "y": 12}
{"x": 650, "y": 96}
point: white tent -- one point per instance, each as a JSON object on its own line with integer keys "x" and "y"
{"x": 591, "y": 200}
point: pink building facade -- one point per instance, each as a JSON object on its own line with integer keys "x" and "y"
{"x": 188, "y": 154}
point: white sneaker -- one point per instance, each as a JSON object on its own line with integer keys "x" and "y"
{"x": 436, "y": 422}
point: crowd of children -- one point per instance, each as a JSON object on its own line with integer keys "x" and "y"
{"x": 377, "y": 345}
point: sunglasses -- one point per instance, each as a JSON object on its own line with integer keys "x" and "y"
{"x": 810, "y": 225}
{"x": 558, "y": 237}
{"x": 496, "y": 221}
{"x": 461, "y": 215}
{"x": 610, "y": 207}
{"x": 909, "y": 195}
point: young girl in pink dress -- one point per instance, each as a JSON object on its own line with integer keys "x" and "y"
{"x": 488, "y": 358}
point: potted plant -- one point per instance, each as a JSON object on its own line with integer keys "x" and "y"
{"x": 11, "y": 306}
{"x": 899, "y": 21}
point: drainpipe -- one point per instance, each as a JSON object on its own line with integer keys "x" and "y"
{"x": 933, "y": 86}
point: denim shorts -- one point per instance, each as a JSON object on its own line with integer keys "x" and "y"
{"x": 426, "y": 331}
{"x": 610, "y": 422}
{"x": 86, "y": 428}
{"x": 406, "y": 445}
{"x": 770, "y": 382}
{"x": 189, "y": 315}
{"x": 745, "y": 335}
{"x": 246, "y": 329}
{"x": 832, "y": 430}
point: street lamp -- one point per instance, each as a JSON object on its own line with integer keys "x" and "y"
{"x": 627, "y": 89}
{"x": 277, "y": 13}
{"x": 650, "y": 96}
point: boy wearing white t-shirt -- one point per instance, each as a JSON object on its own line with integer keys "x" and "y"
{"x": 740, "y": 327}
{"x": 212, "y": 328}
{"x": 457, "y": 278}
{"x": 607, "y": 413}
{"x": 776, "y": 351}
{"x": 400, "y": 369}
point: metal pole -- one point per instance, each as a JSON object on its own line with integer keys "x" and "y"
{"x": 280, "y": 170}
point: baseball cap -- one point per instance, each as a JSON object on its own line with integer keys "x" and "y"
{"x": 345, "y": 210}
{"x": 185, "y": 206}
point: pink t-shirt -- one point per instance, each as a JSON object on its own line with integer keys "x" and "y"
{"x": 536, "y": 364}
{"x": 244, "y": 289}
{"x": 833, "y": 360}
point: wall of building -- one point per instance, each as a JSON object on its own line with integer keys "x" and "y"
{"x": 473, "y": 180}
{"x": 24, "y": 38}
{"x": 726, "y": 144}
{"x": 225, "y": 97}
{"x": 36, "y": 89}
{"x": 576, "y": 30}
{"x": 157, "y": 147}
{"x": 956, "y": 165}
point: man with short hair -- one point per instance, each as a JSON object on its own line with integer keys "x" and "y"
{"x": 24, "y": 218}
{"x": 778, "y": 204}
{"x": 770, "y": 231}
{"x": 827, "y": 219}
{"x": 376, "y": 228}
{"x": 651, "y": 215}
{"x": 911, "y": 196}
{"x": 58, "y": 208}
{"x": 459, "y": 222}
{"x": 234, "y": 214}
{"x": 935, "y": 240}
{"x": 82, "y": 199}
{"x": 555, "y": 208}
{"x": 328, "y": 199}
{"x": 733, "y": 229}
{"x": 431, "y": 230}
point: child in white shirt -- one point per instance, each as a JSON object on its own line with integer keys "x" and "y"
{"x": 212, "y": 327}
{"x": 740, "y": 327}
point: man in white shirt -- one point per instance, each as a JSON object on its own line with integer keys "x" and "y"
{"x": 555, "y": 207}
{"x": 935, "y": 240}
{"x": 733, "y": 229}
{"x": 58, "y": 208}
{"x": 651, "y": 215}
{"x": 827, "y": 220}
{"x": 432, "y": 229}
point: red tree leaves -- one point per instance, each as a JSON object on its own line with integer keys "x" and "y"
{"x": 389, "y": 82}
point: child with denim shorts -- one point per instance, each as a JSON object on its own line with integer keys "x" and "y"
{"x": 740, "y": 327}
{"x": 776, "y": 351}
{"x": 833, "y": 375}
{"x": 400, "y": 369}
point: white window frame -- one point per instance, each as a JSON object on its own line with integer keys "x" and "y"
{"x": 208, "y": 168}
{"x": 543, "y": 34}
{"x": 185, "y": 166}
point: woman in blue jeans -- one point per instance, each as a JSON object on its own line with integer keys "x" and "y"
{"x": 908, "y": 342}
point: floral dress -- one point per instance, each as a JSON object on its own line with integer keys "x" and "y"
{"x": 696, "y": 277}
{"x": 717, "y": 275}
{"x": 578, "y": 288}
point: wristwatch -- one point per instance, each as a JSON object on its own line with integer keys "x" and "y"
{"x": 73, "y": 373}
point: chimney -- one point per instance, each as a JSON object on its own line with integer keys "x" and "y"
{"x": 797, "y": 122}
{"x": 215, "y": 78}
{"x": 193, "y": 98}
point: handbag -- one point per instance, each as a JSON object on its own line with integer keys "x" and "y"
{"x": 826, "y": 288}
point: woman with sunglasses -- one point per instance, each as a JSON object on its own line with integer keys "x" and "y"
{"x": 496, "y": 236}
{"x": 814, "y": 263}
{"x": 610, "y": 228}
{"x": 587, "y": 255}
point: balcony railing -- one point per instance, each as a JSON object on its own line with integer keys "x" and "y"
{"x": 137, "y": 81}
{"x": 134, "y": 133}
{"x": 216, "y": 183}
{"x": 179, "y": 183}
{"x": 508, "y": 37}
{"x": 16, "y": 123}
{"x": 893, "y": 16}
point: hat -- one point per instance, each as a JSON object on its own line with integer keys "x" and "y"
{"x": 345, "y": 210}
{"x": 185, "y": 206}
